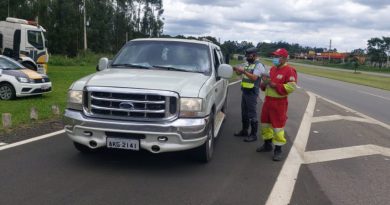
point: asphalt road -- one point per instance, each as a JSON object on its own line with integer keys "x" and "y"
{"x": 370, "y": 101}
{"x": 51, "y": 171}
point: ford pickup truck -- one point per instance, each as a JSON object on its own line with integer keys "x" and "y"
{"x": 156, "y": 94}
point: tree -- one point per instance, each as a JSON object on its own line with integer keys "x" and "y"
{"x": 376, "y": 51}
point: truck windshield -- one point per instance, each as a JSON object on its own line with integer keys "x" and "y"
{"x": 167, "y": 55}
{"x": 35, "y": 39}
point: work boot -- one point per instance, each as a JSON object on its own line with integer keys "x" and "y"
{"x": 244, "y": 131}
{"x": 277, "y": 153}
{"x": 266, "y": 147}
{"x": 253, "y": 136}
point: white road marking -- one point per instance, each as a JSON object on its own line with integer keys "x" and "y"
{"x": 235, "y": 82}
{"x": 344, "y": 153}
{"x": 284, "y": 186}
{"x": 357, "y": 113}
{"x": 379, "y": 96}
{"x": 2, "y": 143}
{"x": 31, "y": 140}
{"x": 340, "y": 117}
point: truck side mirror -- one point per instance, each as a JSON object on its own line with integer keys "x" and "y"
{"x": 225, "y": 71}
{"x": 103, "y": 64}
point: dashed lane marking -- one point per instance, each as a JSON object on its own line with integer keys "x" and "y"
{"x": 379, "y": 96}
{"x": 2, "y": 143}
{"x": 31, "y": 140}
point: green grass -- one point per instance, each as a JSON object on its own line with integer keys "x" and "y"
{"x": 62, "y": 77}
{"x": 83, "y": 59}
{"x": 347, "y": 66}
{"x": 356, "y": 78}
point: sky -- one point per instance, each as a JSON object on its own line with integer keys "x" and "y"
{"x": 348, "y": 23}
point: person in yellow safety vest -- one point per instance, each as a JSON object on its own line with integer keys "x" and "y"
{"x": 281, "y": 82}
{"x": 251, "y": 77}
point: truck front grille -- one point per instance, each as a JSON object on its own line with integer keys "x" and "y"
{"x": 130, "y": 104}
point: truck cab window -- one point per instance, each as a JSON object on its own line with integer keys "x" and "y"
{"x": 35, "y": 39}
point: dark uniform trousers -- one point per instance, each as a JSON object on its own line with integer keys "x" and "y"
{"x": 249, "y": 105}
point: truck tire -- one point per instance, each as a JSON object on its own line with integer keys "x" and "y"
{"x": 7, "y": 91}
{"x": 205, "y": 152}
{"x": 82, "y": 148}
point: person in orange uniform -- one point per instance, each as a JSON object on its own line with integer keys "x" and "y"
{"x": 281, "y": 82}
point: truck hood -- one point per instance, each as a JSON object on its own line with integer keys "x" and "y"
{"x": 185, "y": 83}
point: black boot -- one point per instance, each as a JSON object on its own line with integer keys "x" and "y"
{"x": 244, "y": 131}
{"x": 253, "y": 136}
{"x": 266, "y": 147}
{"x": 277, "y": 153}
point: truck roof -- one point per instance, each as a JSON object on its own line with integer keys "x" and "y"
{"x": 176, "y": 40}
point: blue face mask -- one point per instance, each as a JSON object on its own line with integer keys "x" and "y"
{"x": 276, "y": 61}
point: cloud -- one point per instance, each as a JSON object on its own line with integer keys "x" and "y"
{"x": 308, "y": 22}
{"x": 224, "y": 3}
{"x": 377, "y": 4}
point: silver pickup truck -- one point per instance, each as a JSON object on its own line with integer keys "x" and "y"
{"x": 161, "y": 95}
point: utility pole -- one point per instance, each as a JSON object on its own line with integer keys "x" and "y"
{"x": 330, "y": 48}
{"x": 85, "y": 27}
{"x": 8, "y": 8}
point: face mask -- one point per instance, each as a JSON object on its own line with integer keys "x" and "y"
{"x": 276, "y": 61}
{"x": 250, "y": 60}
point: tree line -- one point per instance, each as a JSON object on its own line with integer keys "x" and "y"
{"x": 109, "y": 22}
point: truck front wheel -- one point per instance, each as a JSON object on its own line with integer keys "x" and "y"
{"x": 205, "y": 152}
{"x": 82, "y": 148}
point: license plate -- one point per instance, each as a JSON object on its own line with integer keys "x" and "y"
{"x": 45, "y": 87}
{"x": 120, "y": 143}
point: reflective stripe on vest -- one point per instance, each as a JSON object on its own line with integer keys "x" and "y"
{"x": 246, "y": 82}
{"x": 272, "y": 93}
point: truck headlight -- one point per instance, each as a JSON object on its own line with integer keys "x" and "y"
{"x": 75, "y": 99}
{"x": 23, "y": 79}
{"x": 191, "y": 107}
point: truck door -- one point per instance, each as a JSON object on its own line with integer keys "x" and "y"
{"x": 16, "y": 45}
{"x": 1, "y": 43}
{"x": 219, "y": 84}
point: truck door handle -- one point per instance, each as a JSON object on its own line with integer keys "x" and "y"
{"x": 216, "y": 89}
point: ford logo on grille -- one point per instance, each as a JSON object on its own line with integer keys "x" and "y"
{"x": 126, "y": 105}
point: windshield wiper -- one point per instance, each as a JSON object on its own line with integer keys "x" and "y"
{"x": 131, "y": 65}
{"x": 175, "y": 69}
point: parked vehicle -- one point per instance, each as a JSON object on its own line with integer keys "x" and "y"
{"x": 18, "y": 81}
{"x": 24, "y": 41}
{"x": 161, "y": 95}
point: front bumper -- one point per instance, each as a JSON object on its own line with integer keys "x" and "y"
{"x": 28, "y": 89}
{"x": 182, "y": 133}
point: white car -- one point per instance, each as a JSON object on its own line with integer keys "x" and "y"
{"x": 18, "y": 81}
